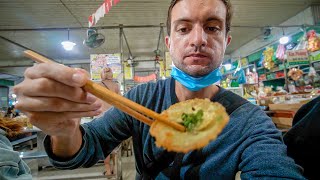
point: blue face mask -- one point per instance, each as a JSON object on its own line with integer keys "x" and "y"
{"x": 193, "y": 83}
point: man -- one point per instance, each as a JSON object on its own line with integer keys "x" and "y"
{"x": 107, "y": 81}
{"x": 198, "y": 36}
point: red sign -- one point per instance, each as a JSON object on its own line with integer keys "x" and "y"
{"x": 145, "y": 78}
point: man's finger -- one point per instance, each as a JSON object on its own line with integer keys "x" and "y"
{"x": 44, "y": 87}
{"x": 54, "y": 104}
{"x": 58, "y": 72}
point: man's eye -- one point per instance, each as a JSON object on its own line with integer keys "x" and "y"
{"x": 183, "y": 30}
{"x": 213, "y": 29}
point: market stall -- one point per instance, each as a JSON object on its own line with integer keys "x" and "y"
{"x": 280, "y": 78}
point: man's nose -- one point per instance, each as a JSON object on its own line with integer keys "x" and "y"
{"x": 198, "y": 37}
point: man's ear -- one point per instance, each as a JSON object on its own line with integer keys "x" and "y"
{"x": 168, "y": 42}
{"x": 229, "y": 38}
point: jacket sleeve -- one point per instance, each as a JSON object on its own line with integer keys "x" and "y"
{"x": 11, "y": 165}
{"x": 100, "y": 137}
{"x": 265, "y": 154}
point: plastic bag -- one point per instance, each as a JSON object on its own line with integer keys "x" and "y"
{"x": 313, "y": 41}
{"x": 241, "y": 76}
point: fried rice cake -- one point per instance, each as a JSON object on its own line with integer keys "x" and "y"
{"x": 204, "y": 120}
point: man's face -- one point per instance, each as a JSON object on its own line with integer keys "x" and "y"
{"x": 198, "y": 36}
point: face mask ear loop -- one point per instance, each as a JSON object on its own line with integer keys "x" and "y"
{"x": 172, "y": 64}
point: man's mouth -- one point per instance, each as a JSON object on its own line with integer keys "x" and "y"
{"x": 197, "y": 55}
{"x": 197, "y": 59}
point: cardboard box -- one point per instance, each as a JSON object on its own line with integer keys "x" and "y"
{"x": 285, "y": 107}
{"x": 281, "y": 121}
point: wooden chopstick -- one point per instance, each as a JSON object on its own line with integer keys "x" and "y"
{"x": 134, "y": 109}
{"x": 100, "y": 91}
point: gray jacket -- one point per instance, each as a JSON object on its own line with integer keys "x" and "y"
{"x": 11, "y": 165}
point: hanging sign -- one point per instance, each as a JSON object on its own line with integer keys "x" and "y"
{"x": 168, "y": 59}
{"x": 101, "y": 11}
{"x": 162, "y": 71}
{"x": 298, "y": 57}
{"x": 100, "y": 61}
{"x": 268, "y": 62}
{"x": 167, "y": 65}
{"x": 143, "y": 79}
{"x": 168, "y": 73}
{"x": 128, "y": 71}
{"x": 244, "y": 62}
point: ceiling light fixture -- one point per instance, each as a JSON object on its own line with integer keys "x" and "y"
{"x": 284, "y": 39}
{"x": 68, "y": 45}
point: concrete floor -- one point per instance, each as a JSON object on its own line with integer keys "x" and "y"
{"x": 94, "y": 172}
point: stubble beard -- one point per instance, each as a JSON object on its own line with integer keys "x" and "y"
{"x": 195, "y": 70}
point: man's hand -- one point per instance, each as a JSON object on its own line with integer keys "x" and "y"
{"x": 52, "y": 97}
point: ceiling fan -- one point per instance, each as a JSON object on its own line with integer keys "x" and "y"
{"x": 94, "y": 39}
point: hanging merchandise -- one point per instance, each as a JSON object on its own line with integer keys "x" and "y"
{"x": 260, "y": 62}
{"x": 251, "y": 77}
{"x": 244, "y": 62}
{"x": 268, "y": 61}
{"x": 281, "y": 51}
{"x": 240, "y": 74}
{"x": 312, "y": 72}
{"x": 314, "y": 56}
{"x": 313, "y": 41}
{"x": 303, "y": 43}
{"x": 295, "y": 74}
{"x": 101, "y": 11}
{"x": 291, "y": 45}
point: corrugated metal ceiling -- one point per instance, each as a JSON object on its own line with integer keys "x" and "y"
{"x": 25, "y": 14}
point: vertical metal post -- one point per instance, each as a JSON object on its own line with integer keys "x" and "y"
{"x": 164, "y": 49}
{"x": 286, "y": 81}
{"x": 125, "y": 38}
{"x": 121, "y": 57}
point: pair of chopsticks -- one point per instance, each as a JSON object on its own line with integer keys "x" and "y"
{"x": 133, "y": 109}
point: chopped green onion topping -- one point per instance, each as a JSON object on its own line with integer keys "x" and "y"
{"x": 190, "y": 121}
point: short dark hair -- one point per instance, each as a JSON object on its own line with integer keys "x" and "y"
{"x": 227, "y": 3}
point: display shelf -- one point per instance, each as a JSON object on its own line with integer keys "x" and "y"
{"x": 273, "y": 79}
{"x": 294, "y": 66}
{"x": 250, "y": 83}
{"x": 274, "y": 71}
{"x": 314, "y": 61}
{"x": 248, "y": 66}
